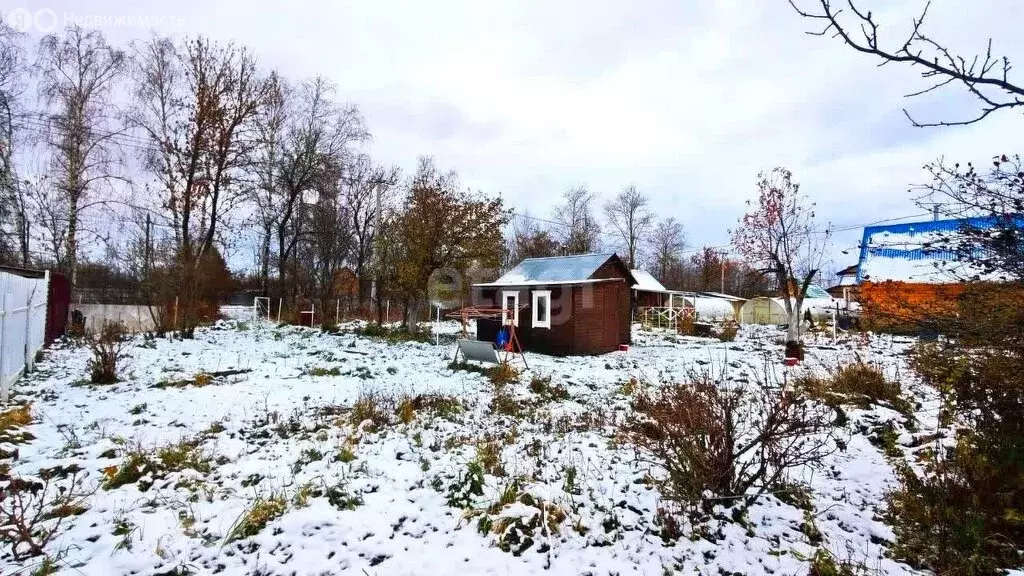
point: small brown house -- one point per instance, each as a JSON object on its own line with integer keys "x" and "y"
{"x": 567, "y": 305}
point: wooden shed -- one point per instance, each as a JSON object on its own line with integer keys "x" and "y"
{"x": 567, "y": 305}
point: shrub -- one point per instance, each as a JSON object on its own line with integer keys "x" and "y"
{"x": 685, "y": 325}
{"x": 502, "y": 374}
{"x": 393, "y": 335}
{"x": 965, "y": 513}
{"x": 728, "y": 331}
{"x": 543, "y": 388}
{"x": 321, "y": 371}
{"x": 736, "y": 443}
{"x": 32, "y": 510}
{"x": 107, "y": 347}
{"x": 859, "y": 384}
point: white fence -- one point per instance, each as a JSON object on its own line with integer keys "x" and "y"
{"x": 22, "y": 325}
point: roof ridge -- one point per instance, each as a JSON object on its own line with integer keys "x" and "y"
{"x": 608, "y": 254}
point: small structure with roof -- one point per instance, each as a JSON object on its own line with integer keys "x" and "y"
{"x": 846, "y": 288}
{"x": 563, "y": 305}
{"x": 767, "y": 310}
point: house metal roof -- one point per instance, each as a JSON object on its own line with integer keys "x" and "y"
{"x": 918, "y": 251}
{"x": 645, "y": 282}
{"x": 553, "y": 270}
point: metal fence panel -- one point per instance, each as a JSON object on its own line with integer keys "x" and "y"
{"x": 22, "y": 325}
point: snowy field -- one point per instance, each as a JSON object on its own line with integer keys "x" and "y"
{"x": 276, "y": 474}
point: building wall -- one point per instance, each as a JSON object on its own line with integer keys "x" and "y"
{"x": 586, "y": 318}
{"x": 892, "y": 305}
{"x": 651, "y": 299}
{"x": 136, "y": 318}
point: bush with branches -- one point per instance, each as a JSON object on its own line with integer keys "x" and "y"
{"x": 965, "y": 513}
{"x": 32, "y": 510}
{"x": 107, "y": 347}
{"x": 708, "y": 435}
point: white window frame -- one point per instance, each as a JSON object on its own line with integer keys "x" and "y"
{"x": 537, "y": 294}
{"x": 504, "y": 306}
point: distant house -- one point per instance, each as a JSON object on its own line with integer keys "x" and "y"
{"x": 709, "y": 306}
{"x": 649, "y": 293}
{"x": 565, "y": 305}
{"x": 913, "y": 265}
{"x": 847, "y": 286}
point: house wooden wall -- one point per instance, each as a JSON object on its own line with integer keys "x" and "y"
{"x": 599, "y": 318}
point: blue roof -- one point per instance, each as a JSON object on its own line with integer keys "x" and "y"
{"x": 556, "y": 269}
{"x": 922, "y": 246}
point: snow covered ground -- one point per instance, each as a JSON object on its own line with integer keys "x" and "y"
{"x": 342, "y": 496}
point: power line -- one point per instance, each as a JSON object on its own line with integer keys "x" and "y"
{"x": 844, "y": 228}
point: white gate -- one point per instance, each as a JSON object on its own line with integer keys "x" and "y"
{"x": 22, "y": 325}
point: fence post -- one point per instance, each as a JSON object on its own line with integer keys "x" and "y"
{"x": 4, "y": 392}
{"x": 28, "y": 327}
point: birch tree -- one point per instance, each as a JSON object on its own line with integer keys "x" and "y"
{"x": 13, "y": 73}
{"x": 79, "y": 72}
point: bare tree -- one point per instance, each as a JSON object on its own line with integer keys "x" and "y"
{"x": 630, "y": 217}
{"x": 578, "y": 230}
{"x": 13, "y": 218}
{"x": 318, "y": 144}
{"x": 990, "y": 249}
{"x": 366, "y": 189}
{"x": 667, "y": 243}
{"x": 529, "y": 241}
{"x": 778, "y": 234}
{"x": 78, "y": 75}
{"x": 265, "y": 164}
{"x": 196, "y": 105}
{"x": 984, "y": 76}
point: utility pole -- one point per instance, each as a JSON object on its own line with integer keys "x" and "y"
{"x": 722, "y": 266}
{"x": 376, "y": 232}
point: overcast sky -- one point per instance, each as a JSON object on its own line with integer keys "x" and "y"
{"x": 686, "y": 99}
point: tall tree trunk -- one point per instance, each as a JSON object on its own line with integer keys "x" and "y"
{"x": 265, "y": 261}
{"x": 71, "y": 264}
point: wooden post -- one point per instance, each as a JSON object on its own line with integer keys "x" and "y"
{"x": 337, "y": 310}
{"x": 280, "y": 304}
{"x": 175, "y": 314}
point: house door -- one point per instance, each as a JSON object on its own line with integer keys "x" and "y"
{"x": 610, "y": 301}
